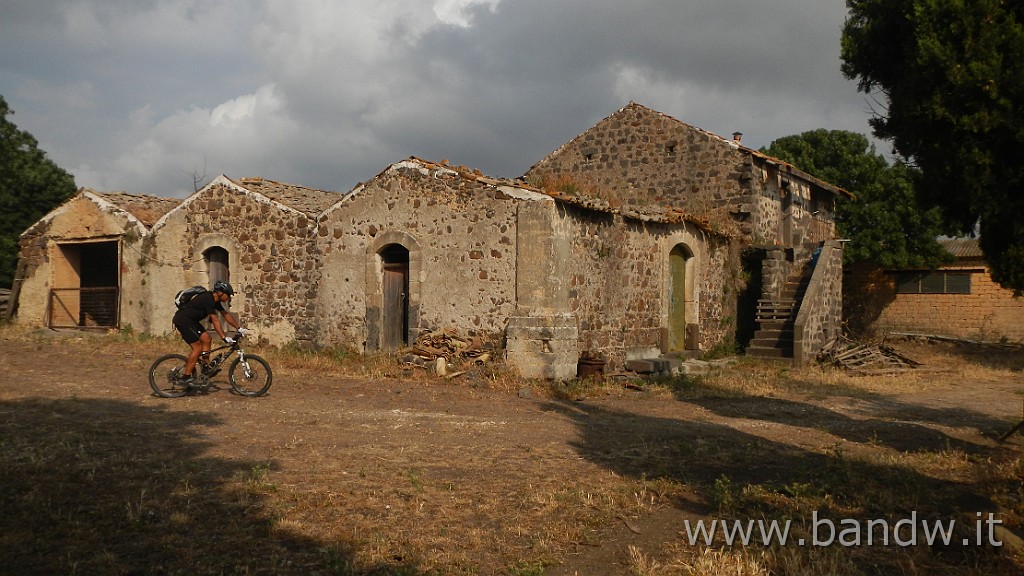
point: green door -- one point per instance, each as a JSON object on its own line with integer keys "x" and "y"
{"x": 677, "y": 299}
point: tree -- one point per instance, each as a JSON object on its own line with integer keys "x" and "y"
{"x": 950, "y": 76}
{"x": 30, "y": 186}
{"x": 885, "y": 223}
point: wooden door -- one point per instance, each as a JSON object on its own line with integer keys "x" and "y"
{"x": 677, "y": 300}
{"x": 396, "y": 309}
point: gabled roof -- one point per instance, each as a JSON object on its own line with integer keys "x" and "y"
{"x": 147, "y": 209}
{"x": 307, "y": 200}
{"x": 140, "y": 209}
{"x": 633, "y": 106}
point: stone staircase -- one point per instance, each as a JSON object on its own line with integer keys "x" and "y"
{"x": 776, "y": 317}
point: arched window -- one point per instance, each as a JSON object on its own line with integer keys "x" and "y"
{"x": 217, "y": 268}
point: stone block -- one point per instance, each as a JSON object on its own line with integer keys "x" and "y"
{"x": 642, "y": 366}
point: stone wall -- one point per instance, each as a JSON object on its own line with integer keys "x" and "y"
{"x": 618, "y": 283}
{"x": 273, "y": 261}
{"x": 988, "y": 313}
{"x": 462, "y": 232}
{"x": 819, "y": 320}
{"x": 640, "y": 158}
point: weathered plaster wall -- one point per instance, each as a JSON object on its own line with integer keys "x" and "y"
{"x": 272, "y": 260}
{"x": 464, "y": 231}
{"x": 82, "y": 218}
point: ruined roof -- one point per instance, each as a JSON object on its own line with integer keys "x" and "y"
{"x": 307, "y": 200}
{"x": 147, "y": 209}
{"x": 962, "y": 247}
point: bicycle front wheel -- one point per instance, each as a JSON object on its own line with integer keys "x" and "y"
{"x": 165, "y": 376}
{"x": 250, "y": 377}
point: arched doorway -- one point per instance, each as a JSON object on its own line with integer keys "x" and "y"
{"x": 678, "y": 297}
{"x": 395, "y": 290}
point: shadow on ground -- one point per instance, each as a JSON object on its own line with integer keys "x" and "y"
{"x": 723, "y": 459}
{"x": 112, "y": 487}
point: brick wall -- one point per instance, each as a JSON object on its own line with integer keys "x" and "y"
{"x": 988, "y": 313}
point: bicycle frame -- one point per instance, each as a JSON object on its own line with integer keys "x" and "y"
{"x": 248, "y": 374}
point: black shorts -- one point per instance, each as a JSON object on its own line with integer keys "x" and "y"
{"x": 190, "y": 331}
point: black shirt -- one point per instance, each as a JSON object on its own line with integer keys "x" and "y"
{"x": 198, "y": 308}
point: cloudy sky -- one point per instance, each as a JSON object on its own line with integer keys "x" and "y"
{"x": 142, "y": 95}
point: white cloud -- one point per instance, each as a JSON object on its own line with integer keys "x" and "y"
{"x": 456, "y": 12}
{"x": 250, "y": 108}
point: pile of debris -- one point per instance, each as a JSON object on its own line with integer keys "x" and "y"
{"x": 865, "y": 359}
{"x": 442, "y": 349}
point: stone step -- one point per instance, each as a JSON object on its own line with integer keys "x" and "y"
{"x": 777, "y": 333}
{"x": 765, "y": 352}
{"x": 770, "y": 343}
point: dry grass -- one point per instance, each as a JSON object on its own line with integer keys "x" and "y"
{"x": 390, "y": 477}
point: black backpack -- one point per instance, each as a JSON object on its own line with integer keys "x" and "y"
{"x": 185, "y": 296}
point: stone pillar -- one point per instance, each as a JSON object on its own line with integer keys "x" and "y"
{"x": 775, "y": 270}
{"x": 542, "y": 339}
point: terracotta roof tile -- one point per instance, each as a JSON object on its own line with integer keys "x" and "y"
{"x": 147, "y": 209}
{"x": 307, "y": 200}
{"x": 962, "y": 247}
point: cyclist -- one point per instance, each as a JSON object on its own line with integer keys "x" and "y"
{"x": 187, "y": 320}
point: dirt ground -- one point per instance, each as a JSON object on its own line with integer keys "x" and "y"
{"x": 397, "y": 472}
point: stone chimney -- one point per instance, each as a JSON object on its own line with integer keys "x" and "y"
{"x": 737, "y": 137}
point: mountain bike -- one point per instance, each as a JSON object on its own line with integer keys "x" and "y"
{"x": 248, "y": 374}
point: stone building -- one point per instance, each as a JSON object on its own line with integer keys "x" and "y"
{"x": 81, "y": 265}
{"x": 427, "y": 246}
{"x": 628, "y": 241}
{"x": 781, "y": 217}
{"x": 646, "y": 160}
{"x": 958, "y": 300}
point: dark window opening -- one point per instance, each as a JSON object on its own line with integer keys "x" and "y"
{"x": 86, "y": 282}
{"x": 217, "y": 268}
{"x": 933, "y": 282}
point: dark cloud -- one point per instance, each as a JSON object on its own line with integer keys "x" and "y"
{"x": 138, "y": 96}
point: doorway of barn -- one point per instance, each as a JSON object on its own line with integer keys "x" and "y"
{"x": 85, "y": 290}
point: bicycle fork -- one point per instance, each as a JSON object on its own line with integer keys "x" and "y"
{"x": 245, "y": 364}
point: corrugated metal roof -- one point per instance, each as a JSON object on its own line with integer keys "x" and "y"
{"x": 962, "y": 247}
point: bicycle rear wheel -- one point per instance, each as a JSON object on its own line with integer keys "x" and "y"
{"x": 165, "y": 376}
{"x": 254, "y": 377}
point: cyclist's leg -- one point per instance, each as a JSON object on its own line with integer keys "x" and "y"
{"x": 192, "y": 333}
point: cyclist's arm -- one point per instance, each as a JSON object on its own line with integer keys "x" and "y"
{"x": 216, "y": 325}
{"x": 231, "y": 320}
